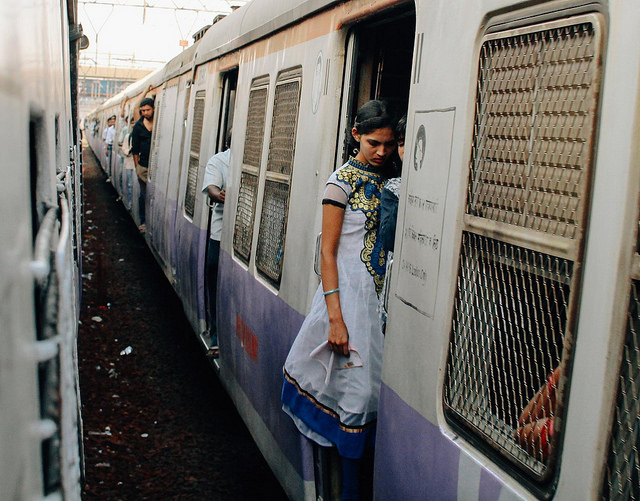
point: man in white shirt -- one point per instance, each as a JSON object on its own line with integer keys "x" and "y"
{"x": 109, "y": 135}
{"x": 214, "y": 185}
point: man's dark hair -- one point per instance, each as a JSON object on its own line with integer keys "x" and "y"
{"x": 401, "y": 128}
{"x": 147, "y": 101}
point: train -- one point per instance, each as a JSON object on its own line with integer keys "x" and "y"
{"x": 516, "y": 267}
{"x": 40, "y": 252}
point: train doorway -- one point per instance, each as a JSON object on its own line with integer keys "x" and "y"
{"x": 378, "y": 66}
{"x": 223, "y": 143}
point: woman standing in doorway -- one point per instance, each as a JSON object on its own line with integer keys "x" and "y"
{"x": 333, "y": 371}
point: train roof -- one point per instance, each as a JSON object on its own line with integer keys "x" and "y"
{"x": 180, "y": 64}
{"x": 253, "y": 21}
{"x": 249, "y": 23}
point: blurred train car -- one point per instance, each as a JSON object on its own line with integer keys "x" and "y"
{"x": 516, "y": 267}
{"x": 40, "y": 423}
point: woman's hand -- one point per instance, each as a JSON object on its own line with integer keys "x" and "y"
{"x": 339, "y": 337}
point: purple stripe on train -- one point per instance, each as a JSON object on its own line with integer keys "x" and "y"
{"x": 490, "y": 486}
{"x": 181, "y": 246}
{"x": 256, "y": 330}
{"x": 415, "y": 460}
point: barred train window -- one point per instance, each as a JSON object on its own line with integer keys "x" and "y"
{"x": 245, "y": 213}
{"x": 622, "y": 470}
{"x": 155, "y": 135}
{"x": 275, "y": 205}
{"x": 159, "y": 146}
{"x": 194, "y": 153}
{"x": 515, "y": 302}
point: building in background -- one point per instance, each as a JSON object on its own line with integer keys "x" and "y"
{"x": 130, "y": 38}
{"x": 96, "y": 84}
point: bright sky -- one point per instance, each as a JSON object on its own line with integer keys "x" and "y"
{"x": 121, "y": 33}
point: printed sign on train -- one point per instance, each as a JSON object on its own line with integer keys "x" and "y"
{"x": 426, "y": 177}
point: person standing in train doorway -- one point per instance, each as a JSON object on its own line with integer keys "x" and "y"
{"x": 140, "y": 149}
{"x": 108, "y": 136}
{"x": 128, "y": 164}
{"x": 389, "y": 212}
{"x": 214, "y": 185}
{"x": 332, "y": 374}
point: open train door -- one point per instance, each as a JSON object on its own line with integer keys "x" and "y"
{"x": 377, "y": 66}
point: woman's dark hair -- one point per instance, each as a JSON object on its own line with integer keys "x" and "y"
{"x": 374, "y": 115}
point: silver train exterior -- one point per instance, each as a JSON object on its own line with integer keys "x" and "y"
{"x": 40, "y": 424}
{"x": 516, "y": 245}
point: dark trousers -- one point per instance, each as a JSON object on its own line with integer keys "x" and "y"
{"x": 109, "y": 159}
{"x": 213, "y": 254}
{"x": 141, "y": 200}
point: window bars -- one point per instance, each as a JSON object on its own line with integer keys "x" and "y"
{"x": 517, "y": 284}
{"x": 194, "y": 154}
{"x": 622, "y": 472}
{"x": 275, "y": 205}
{"x": 245, "y": 212}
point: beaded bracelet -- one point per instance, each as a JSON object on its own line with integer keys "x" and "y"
{"x": 331, "y": 291}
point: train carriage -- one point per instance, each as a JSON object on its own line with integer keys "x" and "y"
{"x": 40, "y": 252}
{"x": 516, "y": 262}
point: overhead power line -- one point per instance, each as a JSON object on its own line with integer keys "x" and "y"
{"x": 145, "y": 5}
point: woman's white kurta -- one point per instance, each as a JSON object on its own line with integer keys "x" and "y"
{"x": 334, "y": 399}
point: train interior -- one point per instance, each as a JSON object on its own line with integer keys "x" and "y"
{"x": 380, "y": 53}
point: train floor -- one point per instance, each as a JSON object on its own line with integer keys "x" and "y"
{"x": 157, "y": 423}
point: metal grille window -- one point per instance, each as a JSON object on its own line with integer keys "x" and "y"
{"x": 157, "y": 133}
{"x": 275, "y": 205}
{"x": 622, "y": 471}
{"x": 245, "y": 213}
{"x": 273, "y": 225}
{"x": 534, "y": 122}
{"x": 244, "y": 217}
{"x": 255, "y": 126}
{"x": 529, "y": 174}
{"x": 194, "y": 154}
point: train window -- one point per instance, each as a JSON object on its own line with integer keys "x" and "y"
{"x": 245, "y": 214}
{"x": 185, "y": 117}
{"x": 622, "y": 469}
{"x": 155, "y": 139}
{"x": 194, "y": 153}
{"x": 516, "y": 298}
{"x": 275, "y": 204}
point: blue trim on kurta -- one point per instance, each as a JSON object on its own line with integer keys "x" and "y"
{"x": 351, "y": 441}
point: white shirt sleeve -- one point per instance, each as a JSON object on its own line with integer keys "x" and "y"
{"x": 216, "y": 171}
